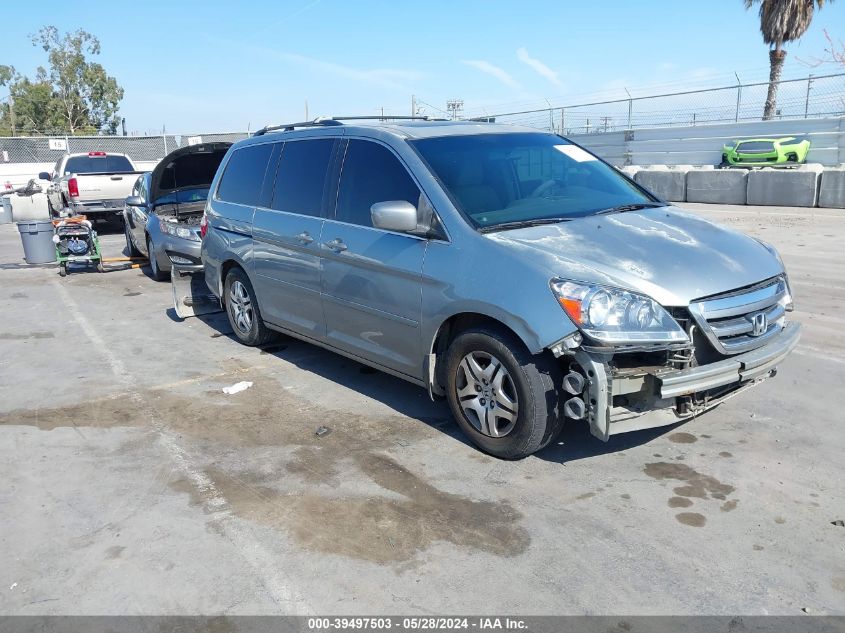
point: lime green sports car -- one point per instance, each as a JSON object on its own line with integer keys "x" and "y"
{"x": 755, "y": 152}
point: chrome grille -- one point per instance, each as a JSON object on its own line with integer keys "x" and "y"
{"x": 744, "y": 319}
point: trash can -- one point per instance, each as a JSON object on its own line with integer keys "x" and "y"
{"x": 37, "y": 239}
{"x": 6, "y": 210}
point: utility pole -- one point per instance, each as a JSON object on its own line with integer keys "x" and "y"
{"x": 455, "y": 107}
{"x": 413, "y": 105}
{"x": 306, "y": 109}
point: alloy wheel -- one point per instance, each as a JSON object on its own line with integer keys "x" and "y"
{"x": 487, "y": 394}
{"x": 240, "y": 307}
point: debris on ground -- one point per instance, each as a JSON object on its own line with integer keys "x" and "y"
{"x": 322, "y": 430}
{"x": 838, "y": 523}
{"x": 237, "y": 387}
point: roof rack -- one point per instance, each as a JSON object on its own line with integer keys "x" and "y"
{"x": 338, "y": 120}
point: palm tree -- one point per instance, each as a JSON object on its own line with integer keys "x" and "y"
{"x": 781, "y": 21}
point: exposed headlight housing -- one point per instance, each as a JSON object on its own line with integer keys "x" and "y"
{"x": 171, "y": 228}
{"x": 787, "y": 301}
{"x": 616, "y": 316}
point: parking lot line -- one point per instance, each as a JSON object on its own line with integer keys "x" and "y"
{"x": 274, "y": 580}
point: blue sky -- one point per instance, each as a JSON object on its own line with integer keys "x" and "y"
{"x": 222, "y": 66}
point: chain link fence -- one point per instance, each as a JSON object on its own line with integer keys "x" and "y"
{"x": 810, "y": 97}
{"x": 48, "y": 149}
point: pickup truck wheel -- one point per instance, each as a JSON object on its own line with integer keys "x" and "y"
{"x": 157, "y": 273}
{"x": 242, "y": 310}
{"x": 504, "y": 398}
{"x": 131, "y": 249}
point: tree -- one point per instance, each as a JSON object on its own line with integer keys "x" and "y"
{"x": 87, "y": 97}
{"x": 73, "y": 95}
{"x": 781, "y": 22}
{"x": 836, "y": 51}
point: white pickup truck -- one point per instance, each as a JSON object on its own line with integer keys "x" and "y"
{"x": 94, "y": 183}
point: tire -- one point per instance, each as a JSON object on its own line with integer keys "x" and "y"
{"x": 530, "y": 382}
{"x": 131, "y": 249}
{"x": 63, "y": 270}
{"x": 157, "y": 273}
{"x": 242, "y": 310}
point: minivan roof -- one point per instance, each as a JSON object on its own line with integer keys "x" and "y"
{"x": 409, "y": 128}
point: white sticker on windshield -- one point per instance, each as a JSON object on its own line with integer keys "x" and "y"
{"x": 575, "y": 153}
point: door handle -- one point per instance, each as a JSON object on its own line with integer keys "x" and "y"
{"x": 337, "y": 245}
{"x": 305, "y": 237}
{"x": 117, "y": 177}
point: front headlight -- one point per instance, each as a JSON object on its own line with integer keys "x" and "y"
{"x": 787, "y": 301}
{"x": 171, "y": 228}
{"x": 613, "y": 315}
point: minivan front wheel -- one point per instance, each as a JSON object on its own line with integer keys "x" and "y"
{"x": 504, "y": 398}
{"x": 242, "y": 310}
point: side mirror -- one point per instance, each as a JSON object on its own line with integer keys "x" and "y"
{"x": 394, "y": 215}
{"x": 44, "y": 176}
{"x": 134, "y": 201}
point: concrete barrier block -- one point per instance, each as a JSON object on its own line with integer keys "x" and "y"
{"x": 784, "y": 187}
{"x": 717, "y": 186}
{"x": 630, "y": 170}
{"x": 665, "y": 184}
{"x": 832, "y": 189}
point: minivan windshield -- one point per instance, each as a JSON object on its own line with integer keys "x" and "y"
{"x": 502, "y": 181}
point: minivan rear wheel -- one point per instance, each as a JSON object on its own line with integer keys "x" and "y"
{"x": 242, "y": 310}
{"x": 504, "y": 398}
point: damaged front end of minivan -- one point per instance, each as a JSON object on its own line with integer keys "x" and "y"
{"x": 634, "y": 364}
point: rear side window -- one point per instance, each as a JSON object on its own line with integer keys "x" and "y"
{"x": 301, "y": 176}
{"x": 371, "y": 173}
{"x": 98, "y": 165}
{"x": 244, "y": 175}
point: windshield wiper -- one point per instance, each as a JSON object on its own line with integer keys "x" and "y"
{"x": 521, "y": 224}
{"x": 631, "y": 207}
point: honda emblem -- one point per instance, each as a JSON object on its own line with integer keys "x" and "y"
{"x": 759, "y": 324}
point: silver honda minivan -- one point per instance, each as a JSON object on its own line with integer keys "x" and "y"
{"x": 506, "y": 269}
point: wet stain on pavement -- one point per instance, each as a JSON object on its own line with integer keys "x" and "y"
{"x": 131, "y": 294}
{"x": 311, "y": 464}
{"x": 397, "y": 512}
{"x": 380, "y": 529}
{"x": 725, "y": 454}
{"x": 693, "y": 519}
{"x": 838, "y": 583}
{"x": 114, "y": 552}
{"x": 586, "y": 495}
{"x": 697, "y": 486}
{"x": 683, "y": 438}
{"x": 18, "y": 295}
{"x": 679, "y": 502}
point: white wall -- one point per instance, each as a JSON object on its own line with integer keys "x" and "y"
{"x": 702, "y": 144}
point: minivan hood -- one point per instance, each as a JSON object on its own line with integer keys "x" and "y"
{"x": 190, "y": 167}
{"x": 671, "y": 256}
